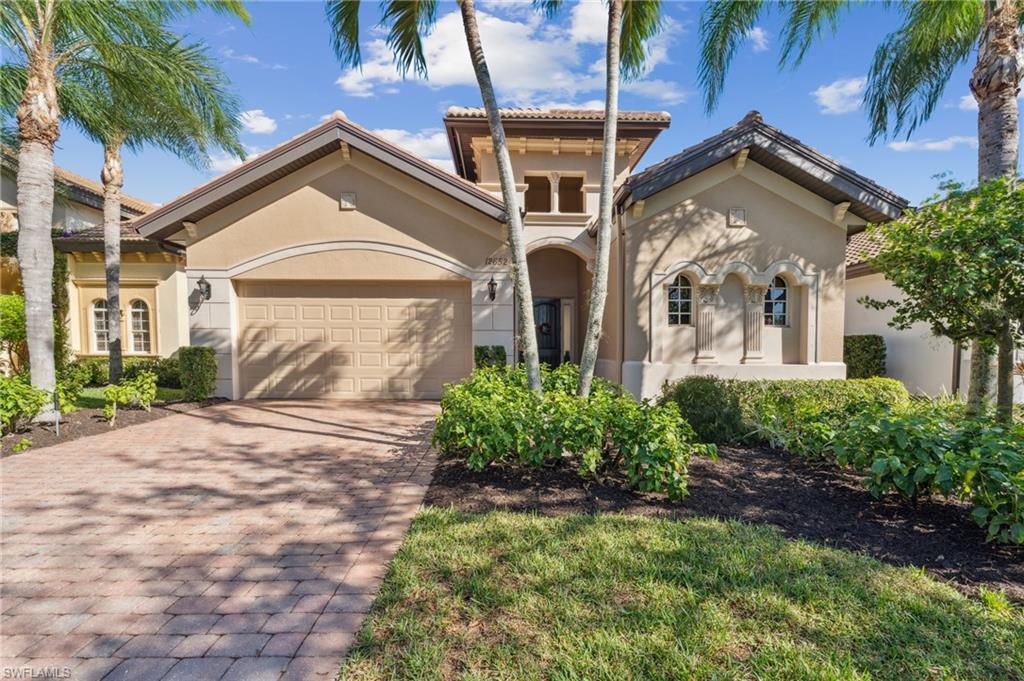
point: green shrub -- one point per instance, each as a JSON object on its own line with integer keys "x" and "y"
{"x": 197, "y": 369}
{"x": 492, "y": 417}
{"x": 19, "y": 402}
{"x": 137, "y": 393}
{"x": 993, "y": 476}
{"x": 166, "y": 369}
{"x": 71, "y": 381}
{"x": 709, "y": 405}
{"x": 489, "y": 356}
{"x": 864, "y": 356}
{"x": 12, "y": 329}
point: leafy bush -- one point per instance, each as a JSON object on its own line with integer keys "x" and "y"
{"x": 71, "y": 381}
{"x": 708, "y": 405}
{"x": 864, "y": 356}
{"x": 489, "y": 356}
{"x": 165, "y": 368}
{"x": 492, "y": 417}
{"x": 138, "y": 392}
{"x": 12, "y": 329}
{"x": 19, "y": 402}
{"x": 197, "y": 368}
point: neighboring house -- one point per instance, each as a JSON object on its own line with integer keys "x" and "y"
{"x": 927, "y": 364}
{"x": 340, "y": 265}
{"x": 152, "y": 274}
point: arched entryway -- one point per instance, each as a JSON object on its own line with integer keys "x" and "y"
{"x": 560, "y": 282}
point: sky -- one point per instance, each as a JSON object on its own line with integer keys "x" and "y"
{"x": 285, "y": 73}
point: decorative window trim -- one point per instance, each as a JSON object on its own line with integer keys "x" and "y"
{"x": 96, "y": 332}
{"x": 682, "y": 301}
{"x": 776, "y": 303}
{"x": 146, "y": 330}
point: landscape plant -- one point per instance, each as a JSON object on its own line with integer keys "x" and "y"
{"x": 959, "y": 261}
{"x": 864, "y": 355}
{"x": 710, "y": 405}
{"x": 137, "y": 393}
{"x": 20, "y": 401}
{"x": 12, "y": 329}
{"x": 197, "y": 370}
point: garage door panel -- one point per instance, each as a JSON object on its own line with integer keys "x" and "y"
{"x": 353, "y": 340}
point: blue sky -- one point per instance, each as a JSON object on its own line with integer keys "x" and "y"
{"x": 285, "y": 73}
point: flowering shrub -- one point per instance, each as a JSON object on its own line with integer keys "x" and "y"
{"x": 492, "y": 417}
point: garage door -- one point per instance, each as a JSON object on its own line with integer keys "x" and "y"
{"x": 353, "y": 340}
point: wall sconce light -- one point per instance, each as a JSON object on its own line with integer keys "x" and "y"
{"x": 205, "y": 289}
{"x": 492, "y": 288}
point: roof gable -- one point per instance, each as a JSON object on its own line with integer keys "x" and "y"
{"x": 780, "y": 153}
{"x": 335, "y": 135}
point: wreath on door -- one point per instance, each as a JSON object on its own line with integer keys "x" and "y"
{"x": 545, "y": 328}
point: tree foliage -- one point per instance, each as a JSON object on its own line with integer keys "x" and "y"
{"x": 959, "y": 261}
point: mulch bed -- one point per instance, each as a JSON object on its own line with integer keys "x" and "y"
{"x": 85, "y": 422}
{"x": 819, "y": 503}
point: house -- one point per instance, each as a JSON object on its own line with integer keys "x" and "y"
{"x": 152, "y": 274}
{"x": 338, "y": 264}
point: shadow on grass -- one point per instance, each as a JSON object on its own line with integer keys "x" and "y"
{"x": 625, "y": 597}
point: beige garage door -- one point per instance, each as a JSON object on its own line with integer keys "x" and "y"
{"x": 353, "y": 340}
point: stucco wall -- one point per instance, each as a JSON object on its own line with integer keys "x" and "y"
{"x": 923, "y": 362}
{"x": 687, "y": 222}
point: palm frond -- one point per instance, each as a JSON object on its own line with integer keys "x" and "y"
{"x": 549, "y": 8}
{"x": 408, "y": 21}
{"x": 343, "y": 20}
{"x": 914, "y": 63}
{"x": 723, "y": 28}
{"x": 641, "y": 21}
{"x": 806, "y": 20}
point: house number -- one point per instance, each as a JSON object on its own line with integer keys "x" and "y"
{"x": 503, "y": 261}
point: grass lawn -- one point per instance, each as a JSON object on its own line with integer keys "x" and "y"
{"x": 92, "y": 397}
{"x": 521, "y": 596}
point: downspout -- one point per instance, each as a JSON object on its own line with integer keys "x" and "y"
{"x": 622, "y": 292}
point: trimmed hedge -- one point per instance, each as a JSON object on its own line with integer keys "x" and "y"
{"x": 491, "y": 417}
{"x": 164, "y": 368}
{"x": 864, "y": 356}
{"x": 710, "y": 404}
{"x": 197, "y": 367}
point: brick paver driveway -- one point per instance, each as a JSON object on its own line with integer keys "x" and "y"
{"x": 243, "y": 541}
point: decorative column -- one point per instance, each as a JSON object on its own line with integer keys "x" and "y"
{"x": 554, "y": 193}
{"x": 753, "y": 323}
{"x": 706, "y": 325}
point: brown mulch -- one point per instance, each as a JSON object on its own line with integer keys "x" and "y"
{"x": 817, "y": 502}
{"x": 85, "y": 422}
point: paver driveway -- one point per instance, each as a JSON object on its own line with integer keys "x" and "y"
{"x": 241, "y": 541}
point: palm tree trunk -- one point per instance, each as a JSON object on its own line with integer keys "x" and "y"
{"x": 599, "y": 285}
{"x": 527, "y": 341}
{"x": 1004, "y": 377}
{"x": 38, "y": 129}
{"x": 994, "y": 83}
{"x": 113, "y": 179}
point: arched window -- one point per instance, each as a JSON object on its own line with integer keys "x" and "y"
{"x": 140, "y": 327}
{"x": 680, "y": 301}
{"x": 100, "y": 338}
{"x": 776, "y": 303}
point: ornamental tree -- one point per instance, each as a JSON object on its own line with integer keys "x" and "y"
{"x": 959, "y": 260}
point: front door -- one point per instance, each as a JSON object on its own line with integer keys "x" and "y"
{"x": 549, "y": 336}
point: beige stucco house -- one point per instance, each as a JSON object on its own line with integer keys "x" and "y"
{"x": 152, "y": 273}
{"x": 340, "y": 265}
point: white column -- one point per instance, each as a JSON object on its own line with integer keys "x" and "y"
{"x": 753, "y": 323}
{"x": 493, "y": 319}
{"x": 706, "y": 325}
{"x": 554, "y": 193}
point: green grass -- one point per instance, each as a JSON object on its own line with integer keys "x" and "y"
{"x": 519, "y": 596}
{"x": 92, "y": 396}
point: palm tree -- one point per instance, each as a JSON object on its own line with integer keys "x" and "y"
{"x": 630, "y": 25}
{"x": 908, "y": 76}
{"x": 54, "y": 40}
{"x": 185, "y": 109}
{"x": 407, "y": 22}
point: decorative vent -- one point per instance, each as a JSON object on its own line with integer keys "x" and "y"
{"x": 347, "y": 201}
{"x": 737, "y": 217}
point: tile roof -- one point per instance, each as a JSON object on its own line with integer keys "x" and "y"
{"x": 558, "y": 114}
{"x": 91, "y": 234}
{"x": 85, "y": 184}
{"x": 862, "y": 246}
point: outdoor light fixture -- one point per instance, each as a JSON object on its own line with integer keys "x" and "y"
{"x": 492, "y": 288}
{"x": 205, "y": 290}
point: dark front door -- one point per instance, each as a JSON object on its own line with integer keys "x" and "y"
{"x": 549, "y": 336}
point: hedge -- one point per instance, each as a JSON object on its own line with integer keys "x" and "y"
{"x": 864, "y": 356}
{"x": 165, "y": 369}
{"x": 489, "y": 356}
{"x": 197, "y": 366}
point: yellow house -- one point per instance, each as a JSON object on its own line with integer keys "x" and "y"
{"x": 340, "y": 265}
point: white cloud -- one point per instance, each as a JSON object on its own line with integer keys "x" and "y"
{"x": 589, "y": 22}
{"x": 840, "y": 96}
{"x": 758, "y": 38}
{"x": 947, "y": 144}
{"x": 257, "y": 122}
{"x": 429, "y": 143}
{"x": 221, "y": 162}
{"x": 530, "y": 62}
{"x": 229, "y": 53}
{"x": 967, "y": 103}
{"x": 663, "y": 91}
